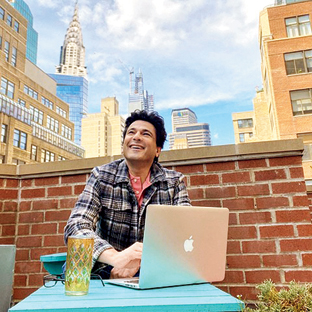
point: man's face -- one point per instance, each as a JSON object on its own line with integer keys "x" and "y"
{"x": 140, "y": 143}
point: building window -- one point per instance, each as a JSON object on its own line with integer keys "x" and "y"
{"x": 7, "y": 51}
{"x": 7, "y": 88}
{"x": 20, "y": 139}
{"x": 2, "y": 159}
{"x": 36, "y": 115}
{"x": 14, "y": 56}
{"x": 0, "y": 42}
{"x": 18, "y": 161}
{"x": 301, "y": 101}
{"x": 245, "y": 123}
{"x": 9, "y": 20}
{"x": 46, "y": 102}
{"x": 47, "y": 156}
{"x": 242, "y": 137}
{"x": 16, "y": 26}
{"x": 66, "y": 132}
{"x": 1, "y": 13}
{"x": 4, "y": 133}
{"x": 31, "y": 92}
{"x": 61, "y": 111}
{"x": 60, "y": 158}
{"x": 298, "y": 26}
{"x": 52, "y": 124}
{"x": 21, "y": 102}
{"x": 33, "y": 155}
{"x": 298, "y": 62}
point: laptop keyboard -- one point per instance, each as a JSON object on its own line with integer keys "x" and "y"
{"x": 135, "y": 281}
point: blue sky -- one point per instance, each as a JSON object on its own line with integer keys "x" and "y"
{"x": 199, "y": 54}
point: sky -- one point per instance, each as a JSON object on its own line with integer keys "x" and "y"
{"x": 200, "y": 54}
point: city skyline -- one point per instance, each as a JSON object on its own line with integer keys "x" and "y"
{"x": 194, "y": 54}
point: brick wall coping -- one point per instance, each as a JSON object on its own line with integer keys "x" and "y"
{"x": 200, "y": 155}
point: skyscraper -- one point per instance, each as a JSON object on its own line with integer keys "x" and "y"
{"x": 71, "y": 74}
{"x": 187, "y": 132}
{"x": 138, "y": 97}
{"x": 32, "y": 35}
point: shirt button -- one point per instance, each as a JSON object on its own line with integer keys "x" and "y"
{"x": 137, "y": 192}
{"x": 135, "y": 180}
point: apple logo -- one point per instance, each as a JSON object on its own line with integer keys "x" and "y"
{"x": 188, "y": 244}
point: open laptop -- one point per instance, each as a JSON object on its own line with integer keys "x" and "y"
{"x": 182, "y": 245}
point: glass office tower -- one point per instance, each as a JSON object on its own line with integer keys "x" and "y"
{"x": 32, "y": 35}
{"x": 74, "y": 91}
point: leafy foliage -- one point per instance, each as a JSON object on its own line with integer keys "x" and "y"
{"x": 297, "y": 298}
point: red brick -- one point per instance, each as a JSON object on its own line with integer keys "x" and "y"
{"x": 197, "y": 193}
{"x": 7, "y": 218}
{"x": 68, "y": 202}
{"x": 10, "y": 206}
{"x": 307, "y": 259}
{"x": 301, "y": 244}
{"x": 233, "y": 219}
{"x": 26, "y": 183}
{"x": 7, "y": 240}
{"x": 55, "y": 240}
{"x": 243, "y": 261}
{"x": 30, "y": 217}
{"x": 253, "y": 190}
{"x": 6, "y": 194}
{"x": 266, "y": 246}
{"x": 33, "y": 193}
{"x": 45, "y": 204}
{"x": 242, "y": 232}
{"x": 239, "y": 203}
{"x": 46, "y": 181}
{"x": 207, "y": 203}
{"x": 20, "y": 280}
{"x": 22, "y": 293}
{"x": 236, "y": 177}
{"x": 60, "y": 215}
{"x": 233, "y": 247}
{"x": 257, "y": 277}
{"x": 293, "y": 216}
{"x": 190, "y": 169}
{"x": 27, "y": 267}
{"x": 223, "y": 166}
{"x": 267, "y": 175}
{"x": 255, "y": 217}
{"x": 233, "y": 277}
{"x": 282, "y": 260}
{"x": 12, "y": 183}
{"x": 60, "y": 191}
{"x": 271, "y": 231}
{"x": 301, "y": 201}
{"x": 61, "y": 226}
{"x": 300, "y": 276}
{"x": 74, "y": 179}
{"x": 44, "y": 228}
{"x": 254, "y": 163}
{"x": 246, "y": 292}
{"x": 79, "y": 188}
{"x": 29, "y": 241}
{"x": 23, "y": 229}
{"x": 36, "y": 279}
{"x": 285, "y": 161}
{"x": 288, "y": 187}
{"x": 220, "y": 192}
{"x": 8, "y": 230}
{"x": 204, "y": 179}
{"x": 272, "y": 202}
{"x": 25, "y": 205}
{"x": 305, "y": 230}
{"x": 1, "y": 182}
{"x": 296, "y": 173}
{"x": 36, "y": 253}
{"x": 22, "y": 255}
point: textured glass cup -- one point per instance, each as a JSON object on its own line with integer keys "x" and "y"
{"x": 78, "y": 265}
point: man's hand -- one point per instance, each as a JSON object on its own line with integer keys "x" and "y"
{"x": 126, "y": 263}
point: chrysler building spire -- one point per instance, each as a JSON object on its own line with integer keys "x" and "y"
{"x": 72, "y": 58}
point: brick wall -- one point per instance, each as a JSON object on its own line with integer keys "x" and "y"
{"x": 262, "y": 184}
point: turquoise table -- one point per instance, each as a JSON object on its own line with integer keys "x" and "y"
{"x": 203, "y": 297}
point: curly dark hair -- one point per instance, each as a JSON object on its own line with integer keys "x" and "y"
{"x": 152, "y": 117}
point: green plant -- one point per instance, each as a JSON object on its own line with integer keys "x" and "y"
{"x": 297, "y": 298}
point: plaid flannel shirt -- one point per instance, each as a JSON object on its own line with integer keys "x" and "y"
{"x": 108, "y": 209}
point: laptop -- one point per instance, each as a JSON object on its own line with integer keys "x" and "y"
{"x": 182, "y": 245}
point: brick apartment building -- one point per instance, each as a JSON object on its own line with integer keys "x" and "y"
{"x": 283, "y": 108}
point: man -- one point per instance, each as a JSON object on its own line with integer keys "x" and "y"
{"x": 112, "y": 206}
